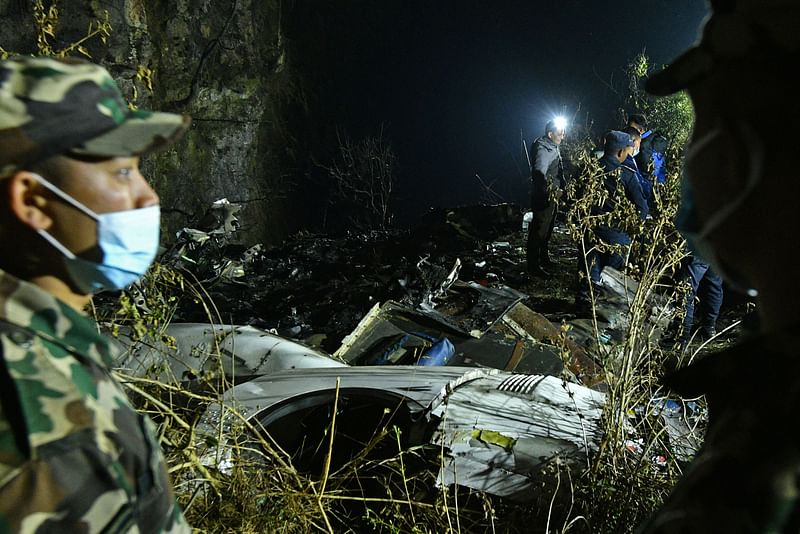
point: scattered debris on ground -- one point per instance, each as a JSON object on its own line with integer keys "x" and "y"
{"x": 437, "y": 332}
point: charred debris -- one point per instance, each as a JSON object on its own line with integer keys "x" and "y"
{"x": 452, "y": 290}
{"x": 437, "y": 325}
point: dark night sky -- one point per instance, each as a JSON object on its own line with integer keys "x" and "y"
{"x": 457, "y": 82}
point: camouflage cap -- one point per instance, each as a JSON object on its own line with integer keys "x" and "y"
{"x": 50, "y": 106}
{"x": 733, "y": 29}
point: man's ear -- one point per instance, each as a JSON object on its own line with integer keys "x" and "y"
{"x": 27, "y": 200}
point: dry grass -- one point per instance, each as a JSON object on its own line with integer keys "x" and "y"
{"x": 389, "y": 488}
{"x": 234, "y": 479}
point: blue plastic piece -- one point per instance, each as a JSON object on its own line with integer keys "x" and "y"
{"x": 439, "y": 353}
{"x": 383, "y": 359}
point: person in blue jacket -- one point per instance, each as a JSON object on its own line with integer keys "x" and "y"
{"x": 618, "y": 146}
{"x": 652, "y": 153}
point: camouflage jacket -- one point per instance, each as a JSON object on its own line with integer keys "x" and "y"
{"x": 74, "y": 454}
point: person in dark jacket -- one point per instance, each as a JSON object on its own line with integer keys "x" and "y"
{"x": 632, "y": 163}
{"x": 651, "y": 156}
{"x": 547, "y": 186}
{"x": 638, "y": 121}
{"x": 618, "y": 146}
{"x": 739, "y": 213}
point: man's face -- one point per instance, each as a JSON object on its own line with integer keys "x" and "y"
{"x": 103, "y": 186}
{"x": 557, "y": 136}
{"x": 623, "y": 153}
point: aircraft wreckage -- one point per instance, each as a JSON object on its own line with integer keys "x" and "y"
{"x": 495, "y": 388}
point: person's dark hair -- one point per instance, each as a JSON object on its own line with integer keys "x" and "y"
{"x": 27, "y": 261}
{"x": 53, "y": 169}
{"x": 638, "y": 118}
{"x": 633, "y": 132}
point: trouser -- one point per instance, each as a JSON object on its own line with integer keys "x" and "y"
{"x": 539, "y": 232}
{"x": 708, "y": 285}
{"x": 594, "y": 261}
{"x": 603, "y": 260}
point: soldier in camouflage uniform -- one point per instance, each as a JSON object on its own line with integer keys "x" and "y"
{"x": 739, "y": 213}
{"x": 74, "y": 454}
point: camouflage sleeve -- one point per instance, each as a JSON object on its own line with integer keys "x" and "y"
{"x": 74, "y": 454}
{"x": 72, "y": 487}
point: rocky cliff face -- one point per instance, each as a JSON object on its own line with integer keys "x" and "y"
{"x": 269, "y": 85}
{"x": 223, "y": 63}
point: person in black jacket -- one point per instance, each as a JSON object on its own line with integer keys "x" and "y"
{"x": 632, "y": 162}
{"x": 738, "y": 212}
{"x": 547, "y": 186}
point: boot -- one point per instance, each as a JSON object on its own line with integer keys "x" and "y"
{"x": 706, "y": 332}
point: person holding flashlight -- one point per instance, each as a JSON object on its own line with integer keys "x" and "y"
{"x": 547, "y": 187}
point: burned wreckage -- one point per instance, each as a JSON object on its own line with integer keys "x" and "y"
{"x": 439, "y": 348}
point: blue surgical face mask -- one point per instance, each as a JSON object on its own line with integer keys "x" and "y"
{"x": 128, "y": 241}
{"x": 687, "y": 221}
{"x": 635, "y": 152}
